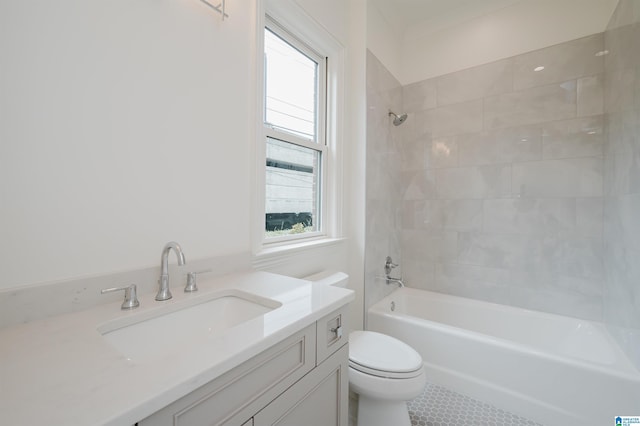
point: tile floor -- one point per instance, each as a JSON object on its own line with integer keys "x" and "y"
{"x": 439, "y": 406}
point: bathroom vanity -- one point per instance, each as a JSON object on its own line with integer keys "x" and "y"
{"x": 247, "y": 349}
{"x": 301, "y": 380}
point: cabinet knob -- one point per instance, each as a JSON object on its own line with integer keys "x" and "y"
{"x": 337, "y": 331}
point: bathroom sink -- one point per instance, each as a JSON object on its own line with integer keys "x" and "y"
{"x": 156, "y": 333}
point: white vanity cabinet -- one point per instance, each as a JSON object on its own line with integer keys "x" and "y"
{"x": 319, "y": 399}
{"x": 303, "y": 380}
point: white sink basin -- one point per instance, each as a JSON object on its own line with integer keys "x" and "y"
{"x": 183, "y": 325}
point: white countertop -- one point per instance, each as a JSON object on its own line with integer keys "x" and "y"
{"x": 61, "y": 371}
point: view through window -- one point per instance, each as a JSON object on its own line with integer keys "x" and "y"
{"x": 294, "y": 128}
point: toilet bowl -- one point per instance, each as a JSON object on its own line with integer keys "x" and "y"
{"x": 384, "y": 371}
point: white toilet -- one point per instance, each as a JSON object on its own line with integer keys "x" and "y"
{"x": 383, "y": 371}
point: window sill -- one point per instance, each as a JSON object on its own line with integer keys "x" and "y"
{"x": 270, "y": 256}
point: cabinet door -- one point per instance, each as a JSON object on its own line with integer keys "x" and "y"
{"x": 236, "y": 395}
{"x": 321, "y": 398}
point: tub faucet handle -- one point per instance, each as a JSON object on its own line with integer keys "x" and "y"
{"x": 389, "y": 265}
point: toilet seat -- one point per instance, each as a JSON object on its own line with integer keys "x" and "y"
{"x": 383, "y": 356}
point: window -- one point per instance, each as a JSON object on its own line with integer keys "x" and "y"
{"x": 294, "y": 111}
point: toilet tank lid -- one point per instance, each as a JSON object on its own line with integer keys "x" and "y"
{"x": 382, "y": 352}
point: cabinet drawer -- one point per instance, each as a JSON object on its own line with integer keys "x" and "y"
{"x": 263, "y": 377}
{"x": 332, "y": 333}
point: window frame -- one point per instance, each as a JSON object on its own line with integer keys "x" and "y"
{"x": 321, "y": 84}
{"x": 318, "y": 143}
{"x": 287, "y": 18}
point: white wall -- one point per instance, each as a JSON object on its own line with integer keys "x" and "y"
{"x": 124, "y": 125}
{"x": 384, "y": 41}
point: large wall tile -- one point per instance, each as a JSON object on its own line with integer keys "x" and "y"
{"x": 419, "y": 185}
{"x": 590, "y": 96}
{"x": 455, "y": 215}
{"x": 494, "y": 78}
{"x": 461, "y": 215}
{"x": 620, "y": 44}
{"x": 455, "y": 119}
{"x": 621, "y": 92}
{"x": 622, "y": 224}
{"x": 474, "y": 182}
{"x": 429, "y": 245}
{"x": 535, "y": 105}
{"x": 419, "y": 96}
{"x": 573, "y": 256}
{"x": 559, "y": 302}
{"x": 382, "y": 82}
{"x": 416, "y": 154}
{"x": 493, "y": 250}
{"x": 561, "y": 62}
{"x": 429, "y": 153}
{"x": 444, "y": 152}
{"x": 622, "y": 178}
{"x": 477, "y": 282}
{"x": 585, "y": 286}
{"x": 421, "y": 214}
{"x": 582, "y": 137}
{"x": 500, "y": 146}
{"x": 623, "y": 152}
{"x": 471, "y": 274}
{"x": 548, "y": 216}
{"x": 576, "y": 177}
{"x": 419, "y": 125}
{"x": 621, "y": 299}
{"x": 590, "y": 217}
{"x": 418, "y": 274}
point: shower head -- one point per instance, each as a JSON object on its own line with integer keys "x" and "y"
{"x": 397, "y": 119}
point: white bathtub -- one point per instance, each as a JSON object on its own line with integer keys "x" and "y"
{"x": 552, "y": 369}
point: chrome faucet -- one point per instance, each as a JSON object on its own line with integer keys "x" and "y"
{"x": 163, "y": 291}
{"x": 388, "y": 266}
{"x": 396, "y": 281}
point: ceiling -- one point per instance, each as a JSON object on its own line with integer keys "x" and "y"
{"x": 435, "y": 15}
{"x": 419, "y": 39}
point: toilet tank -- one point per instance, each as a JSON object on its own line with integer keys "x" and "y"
{"x": 332, "y": 278}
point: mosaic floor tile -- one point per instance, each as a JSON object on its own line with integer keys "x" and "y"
{"x": 438, "y": 406}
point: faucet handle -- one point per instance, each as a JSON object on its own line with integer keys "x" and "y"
{"x": 130, "y": 296}
{"x": 389, "y": 265}
{"x": 191, "y": 280}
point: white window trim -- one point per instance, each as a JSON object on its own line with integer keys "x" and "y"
{"x": 293, "y": 19}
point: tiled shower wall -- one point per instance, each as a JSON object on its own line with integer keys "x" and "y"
{"x": 493, "y": 188}
{"x": 384, "y": 183}
{"x": 622, "y": 178}
{"x": 502, "y": 181}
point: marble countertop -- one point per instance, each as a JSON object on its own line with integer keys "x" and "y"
{"x": 61, "y": 371}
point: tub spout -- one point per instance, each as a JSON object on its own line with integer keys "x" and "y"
{"x": 398, "y": 281}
